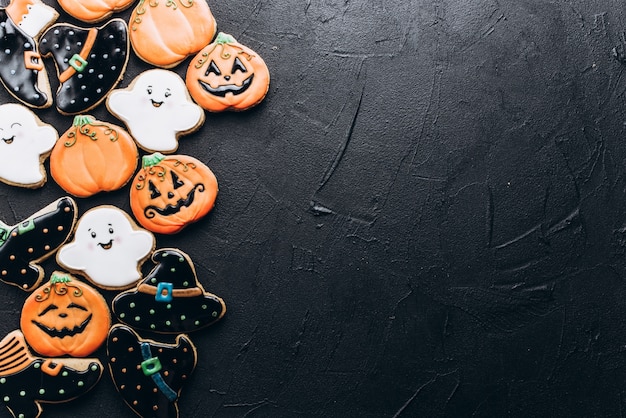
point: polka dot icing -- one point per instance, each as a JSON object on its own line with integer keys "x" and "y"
{"x": 169, "y": 302}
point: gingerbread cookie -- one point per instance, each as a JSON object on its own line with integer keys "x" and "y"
{"x": 170, "y": 299}
{"x": 93, "y": 11}
{"x": 149, "y": 374}
{"x": 170, "y": 192}
{"x": 65, "y": 317}
{"x": 31, "y": 241}
{"x": 90, "y": 62}
{"x": 21, "y": 68}
{"x": 93, "y": 156}
{"x": 25, "y": 142}
{"x": 164, "y": 33}
{"x": 157, "y": 110}
{"x": 108, "y": 248}
{"x": 28, "y": 381}
{"x": 226, "y": 75}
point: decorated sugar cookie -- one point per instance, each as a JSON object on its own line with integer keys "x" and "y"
{"x": 170, "y": 192}
{"x": 65, "y": 317}
{"x": 226, "y": 75}
{"x": 90, "y": 62}
{"x": 170, "y": 299}
{"x": 31, "y": 241}
{"x": 157, "y": 109}
{"x": 27, "y": 381}
{"x": 93, "y": 156}
{"x": 21, "y": 68}
{"x": 25, "y": 142}
{"x": 149, "y": 375}
{"x": 92, "y": 11}
{"x": 164, "y": 33}
{"x": 108, "y": 248}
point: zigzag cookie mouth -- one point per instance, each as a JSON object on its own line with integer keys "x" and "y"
{"x": 65, "y": 332}
{"x": 222, "y": 90}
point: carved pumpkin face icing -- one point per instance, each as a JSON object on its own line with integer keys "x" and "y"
{"x": 65, "y": 316}
{"x": 226, "y": 75}
{"x": 171, "y": 192}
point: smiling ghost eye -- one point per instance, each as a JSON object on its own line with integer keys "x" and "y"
{"x": 110, "y": 230}
{"x": 93, "y": 235}
{"x": 167, "y": 93}
{"x": 212, "y": 69}
{"x": 176, "y": 182}
{"x": 238, "y": 66}
{"x": 154, "y": 192}
{"x": 149, "y": 90}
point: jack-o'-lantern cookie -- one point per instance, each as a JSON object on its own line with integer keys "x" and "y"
{"x": 157, "y": 110}
{"x": 31, "y": 241}
{"x": 28, "y": 381}
{"x": 108, "y": 248}
{"x": 90, "y": 62}
{"x": 170, "y": 192}
{"x": 170, "y": 299}
{"x": 149, "y": 375}
{"x": 25, "y": 142}
{"x": 65, "y": 317}
{"x": 164, "y": 33}
{"x": 226, "y": 75}
{"x": 93, "y": 156}
{"x": 21, "y": 68}
{"x": 92, "y": 11}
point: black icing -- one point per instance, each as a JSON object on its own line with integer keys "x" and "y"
{"x": 105, "y": 62}
{"x": 32, "y": 240}
{"x": 142, "y": 311}
{"x": 64, "y": 332}
{"x": 20, "y": 81}
{"x": 140, "y": 391}
{"x": 150, "y": 211}
{"x": 227, "y": 88}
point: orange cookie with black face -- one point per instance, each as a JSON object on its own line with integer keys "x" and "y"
{"x": 226, "y": 75}
{"x": 65, "y": 317}
{"x": 170, "y": 192}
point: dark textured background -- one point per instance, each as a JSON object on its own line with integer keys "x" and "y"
{"x": 425, "y": 217}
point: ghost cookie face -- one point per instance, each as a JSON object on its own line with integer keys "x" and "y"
{"x": 157, "y": 110}
{"x": 164, "y": 33}
{"x": 65, "y": 317}
{"x": 90, "y": 62}
{"x": 149, "y": 375}
{"x": 31, "y": 241}
{"x": 21, "y": 68}
{"x": 93, "y": 156}
{"x": 27, "y": 382}
{"x": 170, "y": 192}
{"x": 226, "y": 75}
{"x": 170, "y": 299}
{"x": 108, "y": 248}
{"x": 25, "y": 142}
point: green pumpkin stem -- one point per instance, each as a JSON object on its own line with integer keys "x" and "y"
{"x": 224, "y": 38}
{"x": 82, "y": 120}
{"x": 152, "y": 159}
{"x": 59, "y": 278}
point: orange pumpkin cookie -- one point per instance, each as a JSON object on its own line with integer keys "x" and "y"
{"x": 92, "y": 157}
{"x": 92, "y": 11}
{"x": 65, "y": 316}
{"x": 164, "y": 32}
{"x": 226, "y": 75}
{"x": 170, "y": 192}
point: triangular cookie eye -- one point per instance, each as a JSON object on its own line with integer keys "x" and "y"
{"x": 176, "y": 182}
{"x": 212, "y": 69}
{"x": 238, "y": 66}
{"x": 154, "y": 192}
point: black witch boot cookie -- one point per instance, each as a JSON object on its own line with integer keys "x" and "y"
{"x": 27, "y": 381}
{"x": 148, "y": 374}
{"x": 170, "y": 299}
{"x": 23, "y": 245}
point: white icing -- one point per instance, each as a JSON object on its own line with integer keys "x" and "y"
{"x": 156, "y": 108}
{"x": 24, "y": 140}
{"x": 39, "y": 17}
{"x": 107, "y": 248}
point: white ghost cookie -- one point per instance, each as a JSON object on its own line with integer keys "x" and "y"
{"x": 108, "y": 248}
{"x": 25, "y": 142}
{"x": 157, "y": 109}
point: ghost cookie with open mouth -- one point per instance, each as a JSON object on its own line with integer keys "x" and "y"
{"x": 157, "y": 109}
{"x": 25, "y": 142}
{"x": 108, "y": 248}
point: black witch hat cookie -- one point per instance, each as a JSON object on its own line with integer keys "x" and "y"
{"x": 23, "y": 245}
{"x": 90, "y": 62}
{"x": 170, "y": 299}
{"x": 21, "y": 68}
{"x": 27, "y": 381}
{"x": 148, "y": 374}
